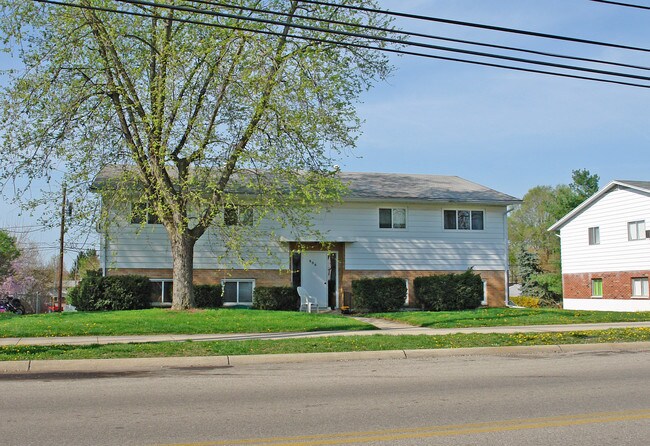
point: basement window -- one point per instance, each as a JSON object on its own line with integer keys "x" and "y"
{"x": 161, "y": 292}
{"x": 640, "y": 287}
{"x": 596, "y": 287}
{"x": 238, "y": 291}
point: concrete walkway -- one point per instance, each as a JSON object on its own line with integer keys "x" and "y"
{"x": 384, "y": 327}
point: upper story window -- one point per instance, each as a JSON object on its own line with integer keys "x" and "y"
{"x": 236, "y": 215}
{"x": 140, "y": 213}
{"x": 636, "y": 230}
{"x": 594, "y": 235}
{"x": 464, "y": 220}
{"x": 394, "y": 218}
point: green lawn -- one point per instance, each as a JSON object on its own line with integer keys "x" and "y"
{"x": 160, "y": 321}
{"x": 491, "y": 317}
{"x": 326, "y": 344}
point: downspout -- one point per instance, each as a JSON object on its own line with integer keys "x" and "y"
{"x": 506, "y": 262}
{"x": 105, "y": 254}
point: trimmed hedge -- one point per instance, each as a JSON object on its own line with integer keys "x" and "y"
{"x": 449, "y": 292}
{"x": 208, "y": 296}
{"x": 379, "y": 295}
{"x": 276, "y": 298}
{"x": 111, "y": 293}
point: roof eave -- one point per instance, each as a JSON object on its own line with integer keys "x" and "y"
{"x": 431, "y": 200}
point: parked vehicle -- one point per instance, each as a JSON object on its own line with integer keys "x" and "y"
{"x": 12, "y": 304}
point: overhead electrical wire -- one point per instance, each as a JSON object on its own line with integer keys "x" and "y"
{"x": 479, "y": 25}
{"x": 362, "y": 46}
{"x": 629, "y": 5}
{"x": 382, "y": 39}
{"x": 422, "y": 35}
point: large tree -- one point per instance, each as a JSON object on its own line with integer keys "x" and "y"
{"x": 528, "y": 225}
{"x": 198, "y": 116}
{"x": 568, "y": 197}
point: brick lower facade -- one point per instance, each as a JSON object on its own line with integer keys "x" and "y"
{"x": 263, "y": 277}
{"x": 495, "y": 280}
{"x": 616, "y": 285}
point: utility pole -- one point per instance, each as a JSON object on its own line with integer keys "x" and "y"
{"x": 60, "y": 290}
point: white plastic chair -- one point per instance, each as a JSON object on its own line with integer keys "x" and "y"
{"x": 307, "y": 301}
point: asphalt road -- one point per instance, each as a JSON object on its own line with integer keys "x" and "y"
{"x": 557, "y": 399}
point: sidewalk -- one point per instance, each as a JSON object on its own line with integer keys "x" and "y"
{"x": 385, "y": 327}
{"x": 110, "y": 367}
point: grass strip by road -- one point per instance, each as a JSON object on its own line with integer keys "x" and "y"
{"x": 494, "y": 317}
{"x": 317, "y": 345}
{"x": 163, "y": 321}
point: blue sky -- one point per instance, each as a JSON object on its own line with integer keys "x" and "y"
{"x": 507, "y": 130}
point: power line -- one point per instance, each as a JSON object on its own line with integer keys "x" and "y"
{"x": 365, "y": 46}
{"x": 422, "y": 35}
{"x": 478, "y": 25}
{"x": 383, "y": 39}
{"x": 628, "y": 5}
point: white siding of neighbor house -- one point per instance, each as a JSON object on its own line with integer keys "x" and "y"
{"x": 423, "y": 245}
{"x": 606, "y": 304}
{"x": 611, "y": 213}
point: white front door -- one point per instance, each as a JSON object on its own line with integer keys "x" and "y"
{"x": 313, "y": 275}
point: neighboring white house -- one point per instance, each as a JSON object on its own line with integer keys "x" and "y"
{"x": 606, "y": 249}
{"x": 388, "y": 225}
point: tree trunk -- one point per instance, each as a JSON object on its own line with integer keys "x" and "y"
{"x": 183, "y": 264}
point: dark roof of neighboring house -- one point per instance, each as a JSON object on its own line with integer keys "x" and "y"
{"x": 363, "y": 186}
{"x": 635, "y": 184}
{"x": 643, "y": 186}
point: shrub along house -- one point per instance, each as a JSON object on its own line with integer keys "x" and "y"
{"x": 387, "y": 225}
{"x": 606, "y": 249}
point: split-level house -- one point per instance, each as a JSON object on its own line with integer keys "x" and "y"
{"x": 387, "y": 225}
{"x": 606, "y": 249}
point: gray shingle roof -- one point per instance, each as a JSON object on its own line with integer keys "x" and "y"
{"x": 364, "y": 186}
{"x": 639, "y": 184}
{"x": 431, "y": 188}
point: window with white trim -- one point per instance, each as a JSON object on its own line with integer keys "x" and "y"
{"x": 238, "y": 291}
{"x": 463, "y": 220}
{"x": 392, "y": 218}
{"x": 636, "y": 230}
{"x": 640, "y": 287}
{"x": 596, "y": 287}
{"x": 594, "y": 235}
{"x": 236, "y": 215}
{"x": 140, "y": 213}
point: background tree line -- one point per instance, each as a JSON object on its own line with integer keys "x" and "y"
{"x": 534, "y": 251}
